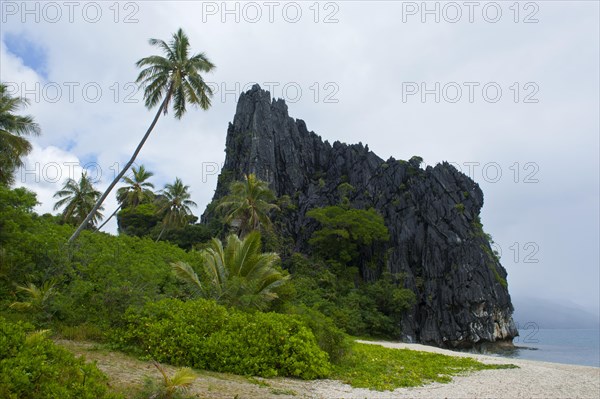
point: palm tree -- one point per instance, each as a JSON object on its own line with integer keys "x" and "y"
{"x": 78, "y": 199}
{"x": 12, "y": 129}
{"x": 37, "y": 297}
{"x": 136, "y": 192}
{"x": 248, "y": 205}
{"x": 238, "y": 275}
{"x": 175, "y": 206}
{"x": 180, "y": 382}
{"x": 175, "y": 77}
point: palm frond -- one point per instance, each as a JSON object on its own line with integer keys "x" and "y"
{"x": 183, "y": 379}
{"x": 184, "y": 272}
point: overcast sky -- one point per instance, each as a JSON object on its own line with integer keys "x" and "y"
{"x": 508, "y": 92}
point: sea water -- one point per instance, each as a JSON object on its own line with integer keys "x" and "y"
{"x": 568, "y": 346}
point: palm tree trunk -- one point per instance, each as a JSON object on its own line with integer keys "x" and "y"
{"x": 106, "y": 221}
{"x": 122, "y": 173}
{"x": 161, "y": 233}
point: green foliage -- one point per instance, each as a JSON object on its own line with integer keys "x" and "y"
{"x": 16, "y": 212}
{"x": 170, "y": 387}
{"x": 460, "y": 207}
{"x": 144, "y": 221}
{"x": 190, "y": 236}
{"x": 96, "y": 280}
{"x": 346, "y": 231}
{"x": 330, "y": 338}
{"x": 36, "y": 299}
{"x": 345, "y": 189}
{"x": 13, "y": 128}
{"x": 138, "y": 190}
{"x": 268, "y": 345}
{"x": 415, "y": 161}
{"x": 25, "y": 239}
{"x": 33, "y": 367}
{"x": 174, "y": 206}
{"x": 78, "y": 199}
{"x": 247, "y": 206}
{"x": 375, "y": 367}
{"x": 361, "y": 309}
{"x": 175, "y": 76}
{"x": 348, "y": 241}
{"x": 109, "y": 274}
{"x": 202, "y": 334}
{"x": 238, "y": 274}
{"x": 139, "y": 221}
{"x": 82, "y": 332}
{"x": 499, "y": 279}
{"x": 386, "y": 301}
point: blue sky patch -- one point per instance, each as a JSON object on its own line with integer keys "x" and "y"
{"x": 33, "y": 55}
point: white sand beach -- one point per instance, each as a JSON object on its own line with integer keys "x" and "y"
{"x": 536, "y": 380}
{"x": 531, "y": 380}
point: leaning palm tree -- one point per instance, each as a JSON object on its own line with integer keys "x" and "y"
{"x": 175, "y": 206}
{"x": 173, "y": 78}
{"x": 78, "y": 200}
{"x": 13, "y": 146}
{"x": 137, "y": 191}
{"x": 238, "y": 275}
{"x": 248, "y": 204}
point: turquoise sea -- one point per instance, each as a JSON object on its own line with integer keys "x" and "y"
{"x": 568, "y": 346}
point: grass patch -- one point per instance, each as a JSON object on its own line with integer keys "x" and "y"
{"x": 82, "y": 332}
{"x": 259, "y": 382}
{"x": 280, "y": 391}
{"x": 379, "y": 368}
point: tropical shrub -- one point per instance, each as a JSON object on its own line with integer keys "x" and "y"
{"x": 139, "y": 221}
{"x": 346, "y": 233}
{"x": 96, "y": 279}
{"x": 170, "y": 386}
{"x": 359, "y": 308}
{"x": 202, "y": 334}
{"x": 330, "y": 338}
{"x": 32, "y": 366}
{"x": 238, "y": 274}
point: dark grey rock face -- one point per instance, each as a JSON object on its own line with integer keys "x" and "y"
{"x": 436, "y": 239}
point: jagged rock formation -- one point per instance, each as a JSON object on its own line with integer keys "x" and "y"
{"x": 436, "y": 239}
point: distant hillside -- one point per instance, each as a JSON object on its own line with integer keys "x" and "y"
{"x": 549, "y": 314}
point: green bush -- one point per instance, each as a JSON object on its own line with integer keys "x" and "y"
{"x": 32, "y": 366}
{"x": 205, "y": 335}
{"x": 268, "y": 345}
{"x": 345, "y": 232}
{"x": 139, "y": 221}
{"x": 171, "y": 331}
{"x": 361, "y": 309}
{"x": 97, "y": 278}
{"x": 330, "y": 338}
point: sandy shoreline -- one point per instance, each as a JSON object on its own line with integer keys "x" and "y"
{"x": 533, "y": 379}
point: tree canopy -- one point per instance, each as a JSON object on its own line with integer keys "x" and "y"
{"x": 344, "y": 231}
